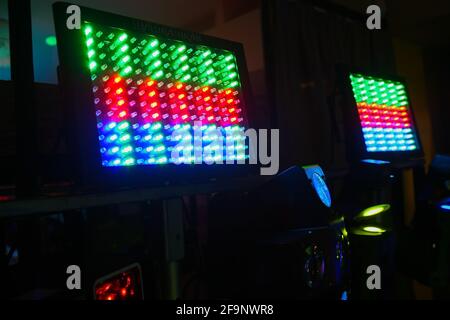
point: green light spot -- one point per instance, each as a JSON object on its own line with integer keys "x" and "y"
{"x": 125, "y": 138}
{"x": 88, "y": 30}
{"x": 124, "y": 125}
{"x": 160, "y": 148}
{"x": 129, "y": 161}
{"x": 50, "y": 41}
{"x": 154, "y": 43}
{"x": 91, "y": 53}
{"x": 92, "y": 65}
{"x": 123, "y": 37}
{"x": 127, "y": 149}
{"x": 162, "y": 160}
{"x": 127, "y": 70}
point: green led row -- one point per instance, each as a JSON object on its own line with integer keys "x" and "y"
{"x": 151, "y": 56}
{"x": 379, "y": 91}
{"x": 371, "y": 98}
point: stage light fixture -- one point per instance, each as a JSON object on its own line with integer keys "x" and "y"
{"x": 288, "y": 232}
{"x": 317, "y": 179}
{"x": 379, "y": 119}
{"x": 372, "y": 221}
{"x": 383, "y": 109}
{"x": 145, "y": 95}
{"x": 147, "y": 87}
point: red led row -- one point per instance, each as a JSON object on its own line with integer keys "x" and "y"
{"x": 374, "y": 115}
{"x": 377, "y": 112}
{"x": 384, "y": 119}
{"x": 151, "y": 101}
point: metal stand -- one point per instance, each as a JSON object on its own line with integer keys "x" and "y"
{"x": 174, "y": 244}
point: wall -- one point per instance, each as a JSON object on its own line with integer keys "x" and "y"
{"x": 410, "y": 65}
{"x": 247, "y": 30}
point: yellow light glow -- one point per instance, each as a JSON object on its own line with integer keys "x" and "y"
{"x": 373, "y": 229}
{"x": 373, "y": 211}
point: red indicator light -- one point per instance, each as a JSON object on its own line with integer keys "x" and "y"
{"x": 122, "y": 285}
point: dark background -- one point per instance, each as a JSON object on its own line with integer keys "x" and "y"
{"x": 291, "y": 49}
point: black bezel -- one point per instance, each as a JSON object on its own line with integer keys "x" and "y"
{"x": 355, "y": 144}
{"x": 75, "y": 80}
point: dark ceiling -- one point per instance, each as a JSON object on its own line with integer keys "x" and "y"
{"x": 423, "y": 22}
{"x": 426, "y": 23}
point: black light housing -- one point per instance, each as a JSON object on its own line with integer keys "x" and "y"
{"x": 379, "y": 124}
{"x": 131, "y": 86}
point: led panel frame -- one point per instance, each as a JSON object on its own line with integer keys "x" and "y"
{"x": 137, "y": 90}
{"x": 378, "y": 116}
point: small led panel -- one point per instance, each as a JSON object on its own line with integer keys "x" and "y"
{"x": 384, "y": 114}
{"x": 155, "y": 97}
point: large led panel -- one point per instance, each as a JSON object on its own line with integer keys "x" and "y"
{"x": 152, "y": 94}
{"x": 151, "y": 101}
{"x": 384, "y": 114}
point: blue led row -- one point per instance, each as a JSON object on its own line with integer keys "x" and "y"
{"x": 154, "y": 144}
{"x": 387, "y": 130}
{"x": 391, "y": 148}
